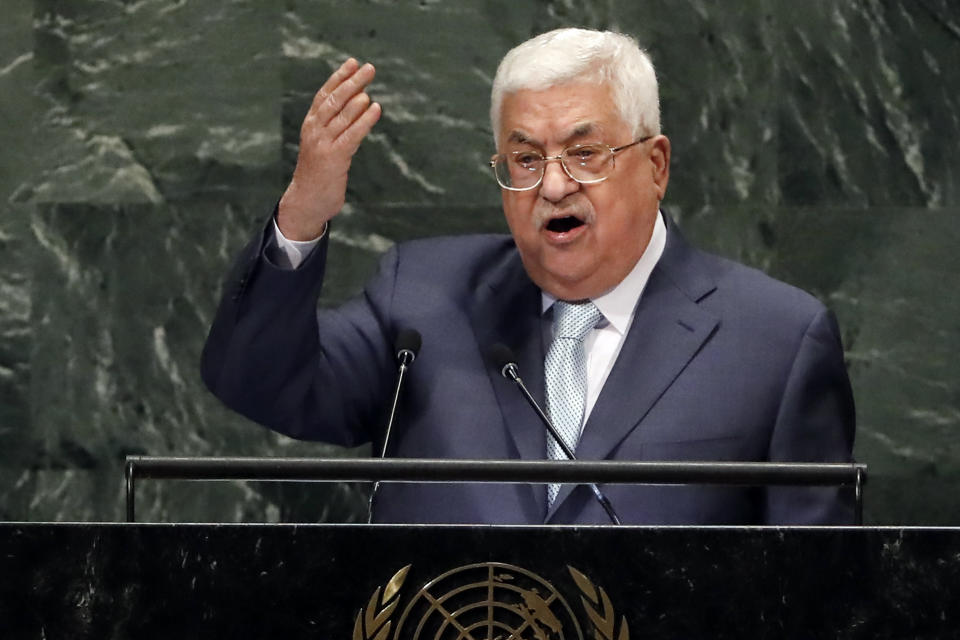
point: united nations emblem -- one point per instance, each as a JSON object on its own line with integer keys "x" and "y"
{"x": 487, "y": 601}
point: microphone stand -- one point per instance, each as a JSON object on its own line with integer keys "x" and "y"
{"x": 510, "y": 372}
{"x": 407, "y": 347}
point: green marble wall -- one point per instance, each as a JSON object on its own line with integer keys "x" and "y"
{"x": 142, "y": 141}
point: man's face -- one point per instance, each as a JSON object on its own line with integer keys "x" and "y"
{"x": 577, "y": 240}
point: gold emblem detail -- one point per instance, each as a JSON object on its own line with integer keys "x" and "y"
{"x": 599, "y": 609}
{"x": 487, "y": 601}
{"x": 375, "y": 623}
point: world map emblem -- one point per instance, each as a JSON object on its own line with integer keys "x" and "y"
{"x": 488, "y": 601}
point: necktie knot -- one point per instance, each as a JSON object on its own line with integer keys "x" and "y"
{"x": 574, "y": 319}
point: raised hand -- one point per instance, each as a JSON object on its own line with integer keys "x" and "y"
{"x": 340, "y": 116}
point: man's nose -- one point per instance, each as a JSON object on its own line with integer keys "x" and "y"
{"x": 556, "y": 183}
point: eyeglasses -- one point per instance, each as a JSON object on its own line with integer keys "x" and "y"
{"x": 585, "y": 163}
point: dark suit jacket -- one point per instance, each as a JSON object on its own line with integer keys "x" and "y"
{"x": 721, "y": 363}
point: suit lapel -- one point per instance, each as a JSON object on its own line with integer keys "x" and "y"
{"x": 507, "y": 310}
{"x": 668, "y": 329}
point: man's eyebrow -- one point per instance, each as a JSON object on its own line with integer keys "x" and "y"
{"x": 521, "y": 137}
{"x": 581, "y": 130}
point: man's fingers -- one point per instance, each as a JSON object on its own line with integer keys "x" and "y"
{"x": 355, "y": 84}
{"x": 349, "y": 79}
{"x": 350, "y": 112}
{"x": 347, "y": 69}
{"x": 355, "y": 133}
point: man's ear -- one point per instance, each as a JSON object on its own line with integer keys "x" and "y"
{"x": 660, "y": 164}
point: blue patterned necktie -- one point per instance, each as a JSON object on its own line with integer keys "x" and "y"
{"x": 565, "y": 371}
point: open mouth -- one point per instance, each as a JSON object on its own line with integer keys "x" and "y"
{"x": 562, "y": 225}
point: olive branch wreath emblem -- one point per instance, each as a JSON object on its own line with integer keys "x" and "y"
{"x": 374, "y": 621}
{"x": 599, "y": 608}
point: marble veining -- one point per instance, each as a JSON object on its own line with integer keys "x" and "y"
{"x": 141, "y": 143}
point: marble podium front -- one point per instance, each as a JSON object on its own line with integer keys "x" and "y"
{"x": 146, "y": 581}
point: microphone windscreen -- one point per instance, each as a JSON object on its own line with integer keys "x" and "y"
{"x": 408, "y": 340}
{"x": 501, "y": 355}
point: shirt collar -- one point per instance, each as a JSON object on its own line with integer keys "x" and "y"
{"x": 618, "y": 304}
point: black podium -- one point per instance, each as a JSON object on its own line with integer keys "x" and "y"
{"x": 117, "y": 581}
{"x": 403, "y": 582}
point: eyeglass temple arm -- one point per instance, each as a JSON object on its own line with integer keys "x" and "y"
{"x": 627, "y": 146}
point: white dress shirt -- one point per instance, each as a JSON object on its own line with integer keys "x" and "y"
{"x": 289, "y": 254}
{"x": 603, "y": 344}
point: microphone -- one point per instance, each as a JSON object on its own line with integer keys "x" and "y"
{"x": 502, "y": 356}
{"x": 406, "y": 346}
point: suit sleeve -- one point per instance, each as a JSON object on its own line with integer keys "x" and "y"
{"x": 815, "y": 423}
{"x": 274, "y": 358}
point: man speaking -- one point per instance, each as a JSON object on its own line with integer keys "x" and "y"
{"x": 639, "y": 346}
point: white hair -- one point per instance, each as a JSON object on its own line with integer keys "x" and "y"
{"x": 563, "y": 56}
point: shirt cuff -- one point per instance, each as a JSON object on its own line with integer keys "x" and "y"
{"x": 290, "y": 254}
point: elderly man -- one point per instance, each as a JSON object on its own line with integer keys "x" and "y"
{"x": 640, "y": 347}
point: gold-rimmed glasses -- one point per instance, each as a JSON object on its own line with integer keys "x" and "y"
{"x": 585, "y": 163}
